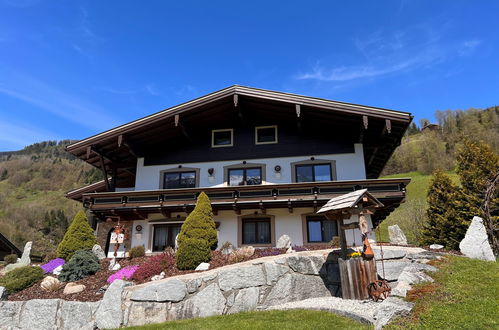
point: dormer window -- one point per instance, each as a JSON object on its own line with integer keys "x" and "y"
{"x": 266, "y": 134}
{"x": 222, "y": 138}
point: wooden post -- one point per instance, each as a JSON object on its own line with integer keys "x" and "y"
{"x": 343, "y": 240}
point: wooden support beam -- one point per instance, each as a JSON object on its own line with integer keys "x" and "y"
{"x": 104, "y": 173}
{"x": 139, "y": 214}
{"x": 120, "y": 140}
{"x": 298, "y": 116}
{"x": 236, "y": 209}
{"x": 290, "y": 207}
{"x": 180, "y": 124}
{"x": 262, "y": 208}
{"x": 343, "y": 240}
{"x": 388, "y": 125}
{"x": 167, "y": 214}
{"x": 89, "y": 151}
{"x": 365, "y": 121}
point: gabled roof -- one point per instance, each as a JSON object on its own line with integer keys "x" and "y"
{"x": 121, "y": 146}
{"x": 348, "y": 201}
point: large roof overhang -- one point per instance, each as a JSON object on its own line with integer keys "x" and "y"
{"x": 380, "y": 130}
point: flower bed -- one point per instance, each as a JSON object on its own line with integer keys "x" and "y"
{"x": 52, "y": 264}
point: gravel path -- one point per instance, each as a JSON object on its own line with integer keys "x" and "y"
{"x": 362, "y": 311}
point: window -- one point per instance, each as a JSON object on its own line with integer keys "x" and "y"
{"x": 164, "y": 236}
{"x": 266, "y": 134}
{"x": 256, "y": 231}
{"x": 245, "y": 176}
{"x": 320, "y": 229}
{"x": 222, "y": 137}
{"x": 172, "y": 180}
{"x": 313, "y": 172}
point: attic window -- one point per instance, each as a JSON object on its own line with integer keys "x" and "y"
{"x": 222, "y": 137}
{"x": 266, "y": 134}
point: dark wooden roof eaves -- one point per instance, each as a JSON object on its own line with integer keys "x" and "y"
{"x": 10, "y": 244}
{"x": 244, "y": 91}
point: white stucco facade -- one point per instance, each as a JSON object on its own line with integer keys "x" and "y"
{"x": 349, "y": 166}
{"x": 291, "y": 224}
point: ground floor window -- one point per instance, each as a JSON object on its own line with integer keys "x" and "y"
{"x": 164, "y": 236}
{"x": 320, "y": 229}
{"x": 256, "y": 231}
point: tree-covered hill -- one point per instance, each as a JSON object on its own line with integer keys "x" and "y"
{"x": 32, "y": 186}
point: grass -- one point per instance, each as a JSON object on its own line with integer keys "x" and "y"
{"x": 465, "y": 295}
{"x": 282, "y": 320}
{"x": 415, "y": 202}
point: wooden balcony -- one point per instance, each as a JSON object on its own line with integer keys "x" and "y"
{"x": 138, "y": 204}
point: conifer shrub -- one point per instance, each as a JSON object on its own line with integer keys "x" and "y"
{"x": 199, "y": 224}
{"x": 10, "y": 259}
{"x": 79, "y": 236}
{"x": 137, "y": 252}
{"x": 82, "y": 264}
{"x": 21, "y": 278}
{"x": 192, "y": 252}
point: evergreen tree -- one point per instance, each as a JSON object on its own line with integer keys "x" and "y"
{"x": 198, "y": 235}
{"x": 79, "y": 236}
{"x": 199, "y": 224}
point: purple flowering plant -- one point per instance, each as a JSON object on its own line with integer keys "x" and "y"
{"x": 122, "y": 274}
{"x": 52, "y": 264}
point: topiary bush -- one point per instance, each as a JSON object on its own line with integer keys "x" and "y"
{"x": 192, "y": 252}
{"x": 10, "y": 259}
{"x": 79, "y": 236}
{"x": 137, "y": 252}
{"x": 21, "y": 278}
{"x": 83, "y": 263}
{"x": 199, "y": 224}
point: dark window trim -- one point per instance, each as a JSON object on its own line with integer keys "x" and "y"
{"x": 305, "y": 228}
{"x": 240, "y": 220}
{"x": 177, "y": 170}
{"x": 243, "y": 166}
{"x": 245, "y": 174}
{"x": 168, "y": 239}
{"x": 270, "y": 142}
{"x": 255, "y": 221}
{"x": 332, "y": 164}
{"x": 213, "y": 131}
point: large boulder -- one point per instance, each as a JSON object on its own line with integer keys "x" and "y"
{"x": 99, "y": 252}
{"x": 50, "y": 283}
{"x": 172, "y": 290}
{"x": 284, "y": 242}
{"x": 475, "y": 243}
{"x": 25, "y": 260}
{"x": 241, "y": 277}
{"x": 109, "y": 315}
{"x": 389, "y": 309}
{"x": 77, "y": 315}
{"x": 39, "y": 314}
{"x": 209, "y": 301}
{"x": 310, "y": 265}
{"x": 246, "y": 300}
{"x": 397, "y": 236}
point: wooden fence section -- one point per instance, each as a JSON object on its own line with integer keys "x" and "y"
{"x": 356, "y": 274}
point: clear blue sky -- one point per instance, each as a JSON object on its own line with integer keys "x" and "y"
{"x": 70, "y": 69}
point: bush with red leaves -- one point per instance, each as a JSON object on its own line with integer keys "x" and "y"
{"x": 153, "y": 266}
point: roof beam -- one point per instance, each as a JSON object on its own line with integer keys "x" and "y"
{"x": 179, "y": 123}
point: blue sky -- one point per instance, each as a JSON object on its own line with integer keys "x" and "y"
{"x": 70, "y": 69}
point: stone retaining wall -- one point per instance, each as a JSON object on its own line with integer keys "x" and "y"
{"x": 255, "y": 284}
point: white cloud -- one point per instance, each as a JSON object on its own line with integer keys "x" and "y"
{"x": 20, "y": 136}
{"x": 468, "y": 46}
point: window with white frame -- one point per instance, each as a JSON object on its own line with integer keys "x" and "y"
{"x": 222, "y": 138}
{"x": 266, "y": 134}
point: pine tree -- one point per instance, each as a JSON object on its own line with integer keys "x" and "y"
{"x": 199, "y": 224}
{"x": 79, "y": 236}
{"x": 198, "y": 235}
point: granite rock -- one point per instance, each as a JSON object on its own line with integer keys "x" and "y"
{"x": 397, "y": 236}
{"x": 475, "y": 243}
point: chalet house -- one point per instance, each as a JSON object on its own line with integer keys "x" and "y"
{"x": 267, "y": 160}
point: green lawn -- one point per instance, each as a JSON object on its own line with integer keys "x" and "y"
{"x": 281, "y": 320}
{"x": 465, "y": 295}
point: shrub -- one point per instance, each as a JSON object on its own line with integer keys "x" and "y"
{"x": 192, "y": 252}
{"x": 137, "y": 252}
{"x": 199, "y": 224}
{"x": 79, "y": 236}
{"x": 83, "y": 263}
{"x": 52, "y": 264}
{"x": 123, "y": 274}
{"x": 21, "y": 278}
{"x": 10, "y": 259}
{"x": 335, "y": 242}
{"x": 153, "y": 266}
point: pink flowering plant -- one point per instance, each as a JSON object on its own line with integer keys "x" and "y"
{"x": 123, "y": 274}
{"x": 52, "y": 264}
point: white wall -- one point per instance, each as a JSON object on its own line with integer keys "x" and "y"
{"x": 285, "y": 223}
{"x": 348, "y": 167}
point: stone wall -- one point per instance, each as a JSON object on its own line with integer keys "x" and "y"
{"x": 251, "y": 285}
{"x": 255, "y": 284}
